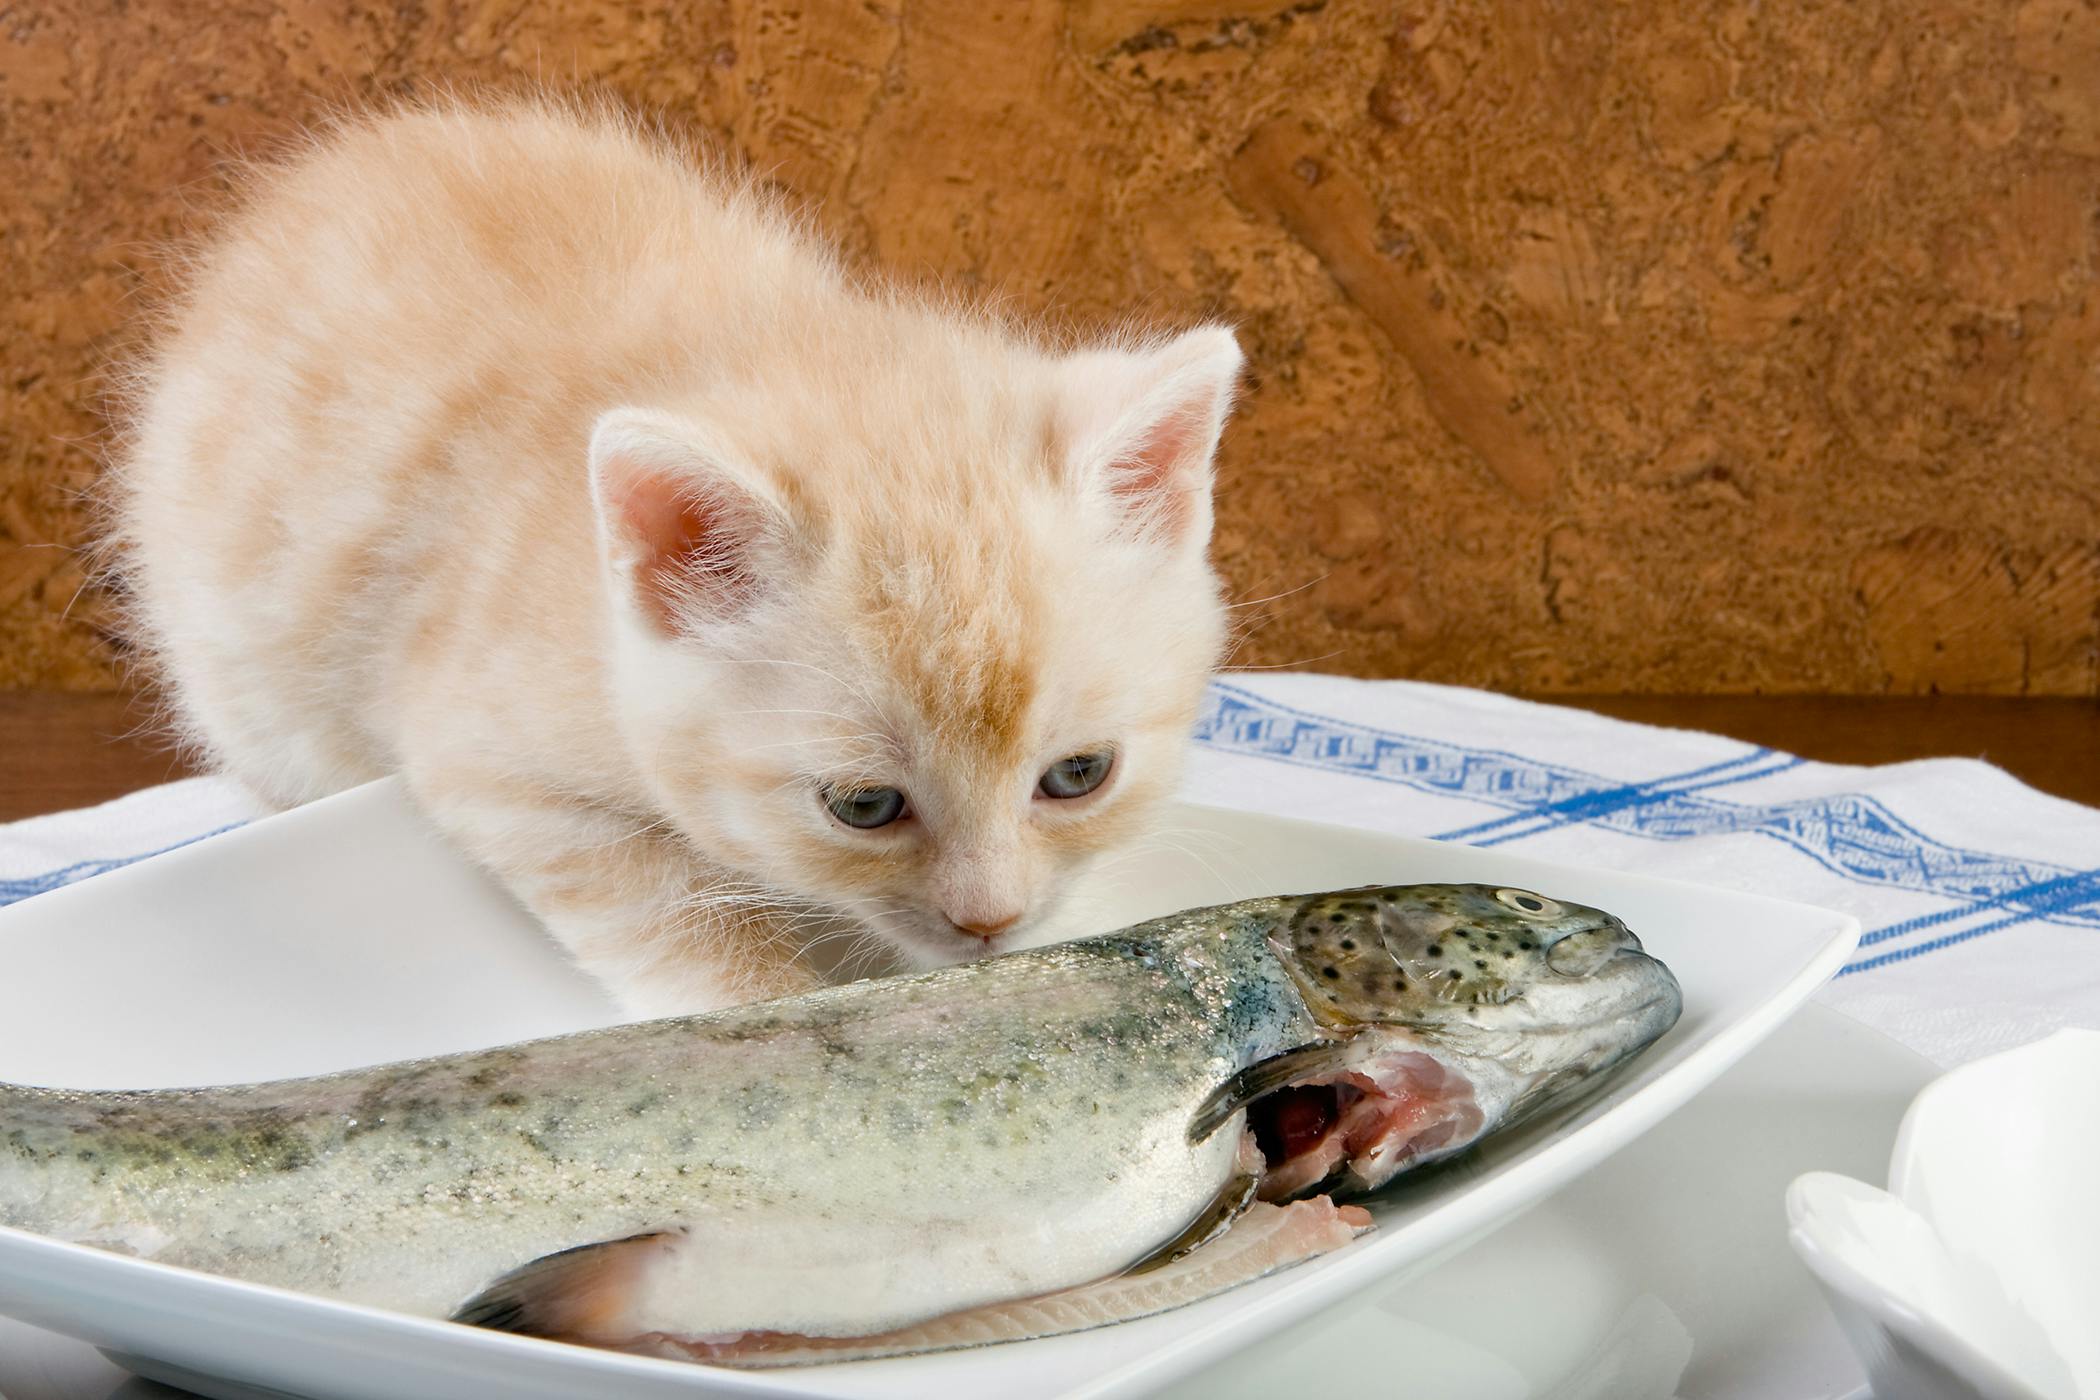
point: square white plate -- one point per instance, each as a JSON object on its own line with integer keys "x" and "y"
{"x": 345, "y": 933}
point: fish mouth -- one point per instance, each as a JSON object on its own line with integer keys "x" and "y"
{"x": 1350, "y": 1132}
{"x": 1381, "y": 1102}
{"x": 1654, "y": 1014}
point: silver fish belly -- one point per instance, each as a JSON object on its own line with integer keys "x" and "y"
{"x": 868, "y": 1160}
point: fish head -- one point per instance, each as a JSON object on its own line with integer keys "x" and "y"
{"x": 1428, "y": 956}
{"x": 1446, "y": 1011}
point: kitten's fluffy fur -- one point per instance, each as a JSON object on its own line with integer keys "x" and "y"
{"x": 503, "y": 449}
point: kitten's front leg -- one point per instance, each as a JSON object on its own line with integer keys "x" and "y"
{"x": 632, "y": 903}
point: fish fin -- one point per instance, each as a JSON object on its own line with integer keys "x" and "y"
{"x": 1263, "y": 1240}
{"x": 1258, "y": 1079}
{"x": 1213, "y": 1220}
{"x": 572, "y": 1295}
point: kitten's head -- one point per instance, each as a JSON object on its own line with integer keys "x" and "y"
{"x": 914, "y": 633}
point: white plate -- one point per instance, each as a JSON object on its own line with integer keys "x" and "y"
{"x": 343, "y": 933}
{"x": 1598, "y": 1294}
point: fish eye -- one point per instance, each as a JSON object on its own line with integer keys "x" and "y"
{"x": 1077, "y": 775}
{"x": 864, "y": 809}
{"x": 1534, "y": 906}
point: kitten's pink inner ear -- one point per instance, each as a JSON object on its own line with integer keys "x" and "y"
{"x": 686, "y": 549}
{"x": 1163, "y": 469}
{"x": 1144, "y": 425}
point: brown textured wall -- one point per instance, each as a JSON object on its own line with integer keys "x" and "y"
{"x": 1640, "y": 346}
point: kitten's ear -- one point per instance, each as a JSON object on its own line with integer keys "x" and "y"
{"x": 682, "y": 520}
{"x": 1142, "y": 426}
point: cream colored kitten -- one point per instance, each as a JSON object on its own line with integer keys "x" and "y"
{"x": 705, "y": 595}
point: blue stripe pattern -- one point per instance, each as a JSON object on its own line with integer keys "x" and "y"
{"x": 2041, "y": 901}
{"x": 13, "y": 891}
{"x": 1595, "y": 801}
{"x": 1849, "y": 834}
{"x": 1601, "y": 804}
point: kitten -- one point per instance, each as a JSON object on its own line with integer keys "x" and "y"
{"x": 707, "y": 596}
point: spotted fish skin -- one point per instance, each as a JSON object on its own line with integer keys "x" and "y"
{"x": 845, "y": 1163}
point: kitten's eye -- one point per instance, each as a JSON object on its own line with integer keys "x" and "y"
{"x": 1078, "y": 775}
{"x": 866, "y": 808}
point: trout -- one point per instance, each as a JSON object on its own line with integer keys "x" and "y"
{"x": 1049, "y": 1140}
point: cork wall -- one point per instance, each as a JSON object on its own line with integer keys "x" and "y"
{"x": 1643, "y": 346}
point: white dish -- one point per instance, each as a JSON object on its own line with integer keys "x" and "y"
{"x": 1610, "y": 1282}
{"x": 344, "y": 933}
{"x": 1978, "y": 1271}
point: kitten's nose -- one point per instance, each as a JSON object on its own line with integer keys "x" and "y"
{"x": 987, "y": 929}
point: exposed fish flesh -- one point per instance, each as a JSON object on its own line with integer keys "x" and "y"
{"x": 1035, "y": 1143}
